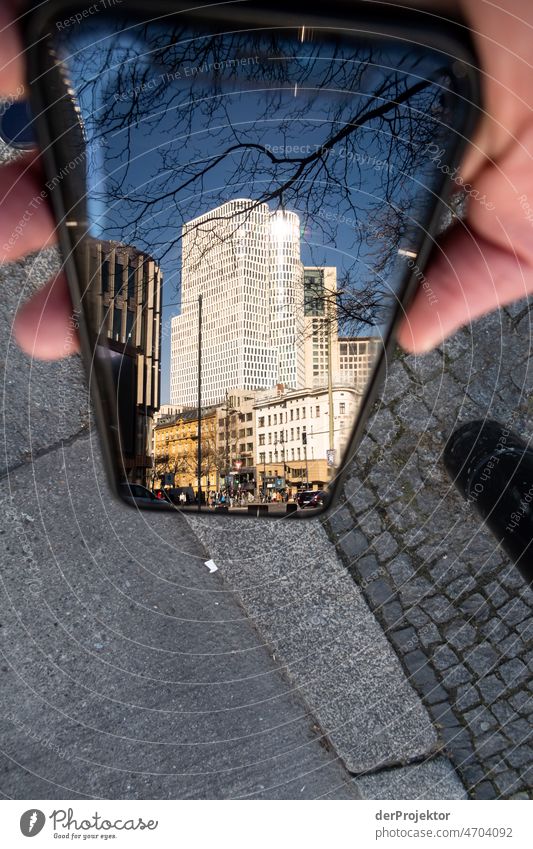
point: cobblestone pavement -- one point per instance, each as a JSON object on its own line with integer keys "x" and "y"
{"x": 456, "y": 611}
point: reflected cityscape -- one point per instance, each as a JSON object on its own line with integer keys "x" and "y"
{"x": 264, "y": 392}
{"x": 244, "y": 238}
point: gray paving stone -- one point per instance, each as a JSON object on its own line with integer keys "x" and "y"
{"x": 515, "y": 611}
{"x": 480, "y": 719}
{"x": 359, "y": 497}
{"x": 353, "y": 544}
{"x": 461, "y": 585}
{"x": 341, "y": 520}
{"x": 392, "y": 615}
{"x": 415, "y": 590}
{"x": 485, "y": 790}
{"x": 522, "y": 701}
{"x": 401, "y": 570}
{"x": 519, "y": 757}
{"x": 482, "y": 658}
{"x": 458, "y": 674}
{"x": 405, "y": 639}
{"x": 504, "y": 711}
{"x": 355, "y": 686}
{"x": 491, "y": 743}
{"x": 512, "y": 646}
{"x": 467, "y": 696}
{"x": 495, "y": 629}
{"x": 513, "y": 672}
{"x": 434, "y": 779}
{"x": 440, "y": 610}
{"x": 475, "y": 607}
{"x": 429, "y": 635}
{"x": 417, "y": 617}
{"x": 491, "y": 688}
{"x": 385, "y": 545}
{"x": 496, "y": 594}
{"x": 519, "y": 729}
{"x": 460, "y": 635}
{"x": 380, "y": 592}
{"x": 444, "y": 657}
{"x": 371, "y": 524}
{"x": 525, "y": 629}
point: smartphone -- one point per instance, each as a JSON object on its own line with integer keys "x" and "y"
{"x": 246, "y": 196}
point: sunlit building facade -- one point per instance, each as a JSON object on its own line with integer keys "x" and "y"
{"x": 293, "y": 435}
{"x": 245, "y": 262}
{"x": 125, "y": 302}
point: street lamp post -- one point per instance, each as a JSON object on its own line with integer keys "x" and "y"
{"x": 330, "y": 314}
{"x": 304, "y": 440}
{"x": 199, "y": 456}
{"x": 229, "y": 411}
{"x": 282, "y": 440}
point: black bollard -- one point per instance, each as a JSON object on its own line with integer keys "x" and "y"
{"x": 493, "y": 469}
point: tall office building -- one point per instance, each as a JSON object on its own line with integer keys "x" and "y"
{"x": 125, "y": 303}
{"x": 357, "y": 359}
{"x": 245, "y": 262}
{"x": 320, "y": 324}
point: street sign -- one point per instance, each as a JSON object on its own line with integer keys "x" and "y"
{"x": 330, "y": 456}
{"x": 169, "y": 479}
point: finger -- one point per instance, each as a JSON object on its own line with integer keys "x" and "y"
{"x": 11, "y": 54}
{"x": 468, "y": 278}
{"x": 44, "y": 327}
{"x": 26, "y": 221}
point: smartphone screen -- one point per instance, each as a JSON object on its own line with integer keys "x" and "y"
{"x": 255, "y": 200}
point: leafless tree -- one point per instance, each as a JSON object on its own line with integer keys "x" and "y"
{"x": 355, "y": 180}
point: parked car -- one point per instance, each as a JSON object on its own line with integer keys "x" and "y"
{"x": 136, "y": 493}
{"x": 311, "y": 498}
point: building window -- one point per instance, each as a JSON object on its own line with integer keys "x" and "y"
{"x": 131, "y": 282}
{"x": 261, "y": 439}
{"x": 130, "y": 316}
{"x": 105, "y": 276}
{"x": 117, "y": 322}
{"x": 261, "y": 421}
{"x": 342, "y": 408}
{"x": 317, "y": 412}
{"x": 118, "y": 277}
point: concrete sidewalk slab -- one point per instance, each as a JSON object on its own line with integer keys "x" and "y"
{"x": 129, "y": 670}
{"x": 289, "y": 579}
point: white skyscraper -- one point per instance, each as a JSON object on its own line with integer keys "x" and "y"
{"x": 245, "y": 262}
